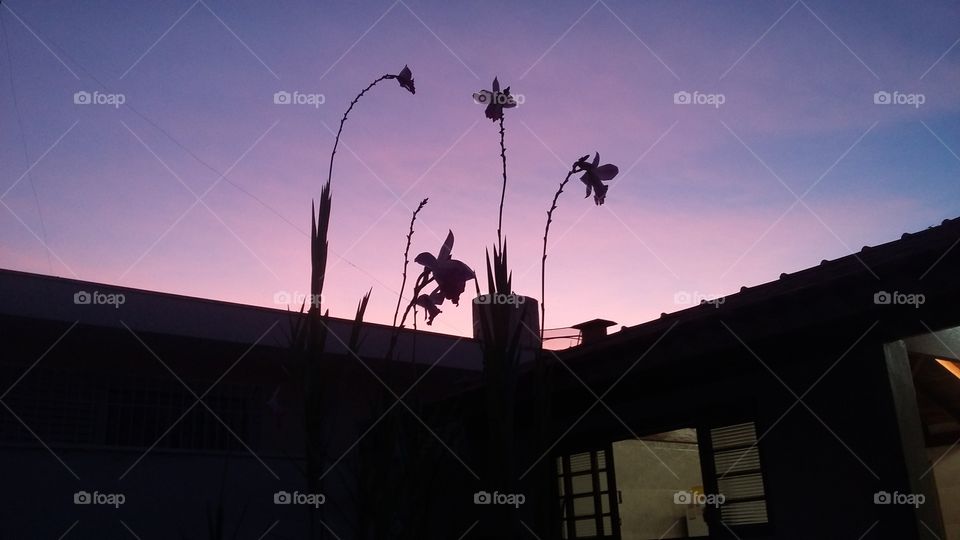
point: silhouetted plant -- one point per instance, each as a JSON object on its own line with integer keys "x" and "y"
{"x": 450, "y": 275}
{"x": 501, "y": 330}
{"x": 545, "y": 511}
{"x": 495, "y": 102}
{"x": 406, "y": 259}
{"x": 398, "y": 454}
{"x": 405, "y": 78}
{"x": 595, "y": 175}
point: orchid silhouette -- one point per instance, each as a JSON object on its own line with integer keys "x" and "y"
{"x": 429, "y": 303}
{"x": 594, "y": 176}
{"x": 405, "y": 78}
{"x": 450, "y": 274}
{"x": 496, "y": 101}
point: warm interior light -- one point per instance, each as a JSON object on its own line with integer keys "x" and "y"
{"x": 950, "y": 366}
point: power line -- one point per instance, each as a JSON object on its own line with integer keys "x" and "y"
{"x": 23, "y": 142}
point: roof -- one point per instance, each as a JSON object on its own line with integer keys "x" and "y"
{"x": 50, "y": 298}
{"x": 931, "y": 251}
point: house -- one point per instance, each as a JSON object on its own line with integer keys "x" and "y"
{"x": 825, "y": 404}
{"x": 129, "y": 409}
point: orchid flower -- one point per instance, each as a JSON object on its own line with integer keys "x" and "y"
{"x": 429, "y": 303}
{"x": 405, "y": 78}
{"x": 495, "y": 101}
{"x": 594, "y": 176}
{"x": 450, "y": 274}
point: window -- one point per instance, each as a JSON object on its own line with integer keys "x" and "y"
{"x": 684, "y": 483}
{"x": 736, "y": 462}
{"x": 585, "y": 483}
{"x": 83, "y": 408}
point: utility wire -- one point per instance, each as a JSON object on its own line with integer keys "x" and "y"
{"x": 23, "y": 141}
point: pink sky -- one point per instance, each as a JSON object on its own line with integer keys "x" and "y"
{"x": 692, "y": 216}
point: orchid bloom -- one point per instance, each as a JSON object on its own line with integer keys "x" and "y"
{"x": 594, "y": 176}
{"x": 405, "y": 78}
{"x": 450, "y": 274}
{"x": 429, "y": 304}
{"x": 495, "y": 101}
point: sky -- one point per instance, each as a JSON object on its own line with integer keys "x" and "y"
{"x": 753, "y": 138}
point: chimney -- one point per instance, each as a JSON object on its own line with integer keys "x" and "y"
{"x": 592, "y": 331}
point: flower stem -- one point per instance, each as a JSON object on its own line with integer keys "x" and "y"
{"x": 406, "y": 261}
{"x": 344, "y": 119}
{"x": 421, "y": 284}
{"x": 543, "y": 261}
{"x": 503, "y": 190}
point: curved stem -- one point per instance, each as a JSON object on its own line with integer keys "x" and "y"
{"x": 406, "y": 261}
{"x": 543, "y": 261}
{"x": 417, "y": 289}
{"x": 422, "y": 282}
{"x": 503, "y": 190}
{"x": 344, "y": 119}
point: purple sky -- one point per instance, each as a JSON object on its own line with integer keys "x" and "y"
{"x": 706, "y": 200}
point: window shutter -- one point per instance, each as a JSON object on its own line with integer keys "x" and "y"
{"x": 736, "y": 460}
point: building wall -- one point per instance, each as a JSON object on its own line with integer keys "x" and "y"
{"x": 100, "y": 398}
{"x": 167, "y": 494}
{"x": 822, "y": 460}
{"x": 946, "y": 471}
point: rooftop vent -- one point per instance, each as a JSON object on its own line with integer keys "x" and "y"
{"x": 593, "y": 330}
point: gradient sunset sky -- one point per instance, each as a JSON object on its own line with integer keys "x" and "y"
{"x": 706, "y": 200}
